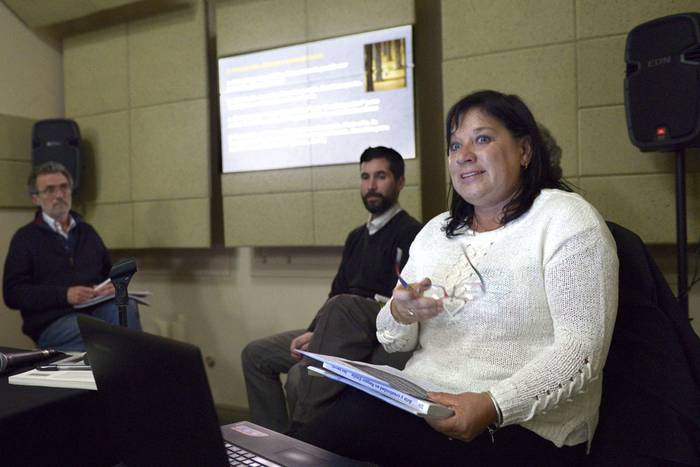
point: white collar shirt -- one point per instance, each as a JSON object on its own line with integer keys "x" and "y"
{"x": 57, "y": 227}
{"x": 375, "y": 224}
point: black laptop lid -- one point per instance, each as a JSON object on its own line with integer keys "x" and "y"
{"x": 156, "y": 397}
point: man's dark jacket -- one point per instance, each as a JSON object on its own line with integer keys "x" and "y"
{"x": 368, "y": 264}
{"x": 41, "y": 265}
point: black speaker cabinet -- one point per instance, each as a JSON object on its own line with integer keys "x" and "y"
{"x": 57, "y": 140}
{"x": 662, "y": 83}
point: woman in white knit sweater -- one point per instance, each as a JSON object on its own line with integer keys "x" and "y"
{"x": 510, "y": 309}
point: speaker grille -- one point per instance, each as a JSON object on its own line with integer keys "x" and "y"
{"x": 662, "y": 84}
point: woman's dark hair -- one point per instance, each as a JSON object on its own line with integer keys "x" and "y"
{"x": 513, "y": 114}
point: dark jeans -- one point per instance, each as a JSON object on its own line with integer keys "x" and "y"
{"x": 367, "y": 429}
{"x": 63, "y": 334}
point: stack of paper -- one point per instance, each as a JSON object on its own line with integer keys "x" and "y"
{"x": 138, "y": 295}
{"x": 63, "y": 378}
{"x": 75, "y": 379}
{"x": 383, "y": 382}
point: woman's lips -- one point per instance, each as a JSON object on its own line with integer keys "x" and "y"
{"x": 471, "y": 173}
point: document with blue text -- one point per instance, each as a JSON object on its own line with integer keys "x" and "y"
{"x": 383, "y": 382}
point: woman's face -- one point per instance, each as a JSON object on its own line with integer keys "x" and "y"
{"x": 486, "y": 162}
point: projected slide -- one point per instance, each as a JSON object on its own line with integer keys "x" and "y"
{"x": 318, "y": 103}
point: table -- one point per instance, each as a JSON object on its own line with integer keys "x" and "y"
{"x": 51, "y": 426}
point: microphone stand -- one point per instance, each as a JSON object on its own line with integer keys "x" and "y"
{"x": 681, "y": 233}
{"x": 121, "y": 298}
{"x": 120, "y": 275}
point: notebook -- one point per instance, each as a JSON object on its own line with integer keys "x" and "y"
{"x": 160, "y": 410}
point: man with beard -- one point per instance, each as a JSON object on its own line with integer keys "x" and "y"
{"x": 345, "y": 324}
{"x": 54, "y": 264}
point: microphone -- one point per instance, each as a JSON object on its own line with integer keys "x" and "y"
{"x": 12, "y": 360}
{"x": 124, "y": 269}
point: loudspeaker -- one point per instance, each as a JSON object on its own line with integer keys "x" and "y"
{"x": 662, "y": 83}
{"x": 57, "y": 140}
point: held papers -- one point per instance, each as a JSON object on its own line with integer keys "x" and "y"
{"x": 383, "y": 382}
{"x": 138, "y": 296}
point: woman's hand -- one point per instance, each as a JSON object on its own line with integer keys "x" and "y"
{"x": 409, "y": 306}
{"x": 474, "y": 412}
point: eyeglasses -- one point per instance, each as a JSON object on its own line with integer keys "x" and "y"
{"x": 51, "y": 190}
{"x": 459, "y": 295}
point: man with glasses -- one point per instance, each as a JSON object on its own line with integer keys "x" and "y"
{"x": 345, "y": 324}
{"x": 55, "y": 263}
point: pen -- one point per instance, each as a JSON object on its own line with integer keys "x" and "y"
{"x": 397, "y": 265}
{"x": 63, "y": 367}
{"x": 102, "y": 284}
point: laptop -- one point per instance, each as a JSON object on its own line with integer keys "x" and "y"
{"x": 160, "y": 410}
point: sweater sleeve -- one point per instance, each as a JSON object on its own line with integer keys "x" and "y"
{"x": 19, "y": 289}
{"x": 581, "y": 282}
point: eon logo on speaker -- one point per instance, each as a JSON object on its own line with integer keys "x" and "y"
{"x": 654, "y": 62}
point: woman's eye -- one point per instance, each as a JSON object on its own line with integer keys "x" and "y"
{"x": 454, "y": 147}
{"x": 483, "y": 139}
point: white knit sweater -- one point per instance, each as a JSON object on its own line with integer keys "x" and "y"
{"x": 538, "y": 337}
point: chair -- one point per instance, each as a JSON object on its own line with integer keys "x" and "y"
{"x": 650, "y": 410}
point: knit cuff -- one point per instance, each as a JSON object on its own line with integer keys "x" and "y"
{"x": 506, "y": 396}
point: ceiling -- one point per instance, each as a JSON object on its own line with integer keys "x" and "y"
{"x": 64, "y": 17}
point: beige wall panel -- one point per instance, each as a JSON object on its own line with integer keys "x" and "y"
{"x": 332, "y": 18}
{"x": 95, "y": 72}
{"x": 283, "y": 219}
{"x": 601, "y": 71}
{"x": 603, "y": 17}
{"x": 410, "y": 200}
{"x": 334, "y": 177}
{"x": 644, "y": 204}
{"x": 16, "y": 138}
{"x": 167, "y": 57}
{"x": 105, "y": 154}
{"x": 473, "y": 27}
{"x": 606, "y": 148}
{"x": 11, "y": 320}
{"x": 114, "y": 223}
{"x": 31, "y": 81}
{"x": 183, "y": 223}
{"x": 258, "y": 25}
{"x": 266, "y": 181}
{"x": 170, "y": 151}
{"x": 336, "y": 213}
{"x": 543, "y": 78}
{"x": 13, "y": 184}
